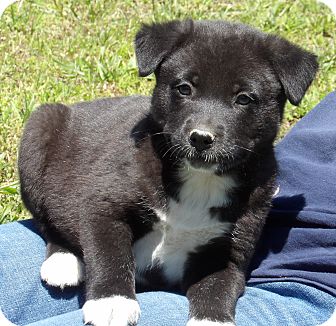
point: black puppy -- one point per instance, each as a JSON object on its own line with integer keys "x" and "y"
{"x": 169, "y": 192}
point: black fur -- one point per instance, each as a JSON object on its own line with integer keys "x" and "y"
{"x": 94, "y": 174}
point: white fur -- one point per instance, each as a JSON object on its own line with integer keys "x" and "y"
{"x": 204, "y": 189}
{"x": 206, "y": 322}
{"x": 117, "y": 310}
{"x": 186, "y": 224}
{"x": 62, "y": 269}
{"x": 203, "y": 133}
{"x": 276, "y": 192}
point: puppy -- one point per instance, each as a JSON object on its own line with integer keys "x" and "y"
{"x": 169, "y": 192}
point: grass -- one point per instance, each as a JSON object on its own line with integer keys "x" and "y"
{"x": 68, "y": 51}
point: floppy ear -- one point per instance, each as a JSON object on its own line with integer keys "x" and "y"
{"x": 295, "y": 67}
{"x": 154, "y": 42}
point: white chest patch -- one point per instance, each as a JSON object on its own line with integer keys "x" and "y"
{"x": 185, "y": 225}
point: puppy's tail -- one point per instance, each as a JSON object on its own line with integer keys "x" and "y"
{"x": 39, "y": 145}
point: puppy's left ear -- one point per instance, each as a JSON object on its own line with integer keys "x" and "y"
{"x": 295, "y": 67}
{"x": 155, "y": 42}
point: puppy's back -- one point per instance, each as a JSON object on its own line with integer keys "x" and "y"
{"x": 60, "y": 143}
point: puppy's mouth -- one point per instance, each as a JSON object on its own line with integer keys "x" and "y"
{"x": 202, "y": 160}
{"x": 212, "y": 160}
{"x": 216, "y": 159}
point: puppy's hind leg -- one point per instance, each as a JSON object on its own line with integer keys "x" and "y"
{"x": 61, "y": 268}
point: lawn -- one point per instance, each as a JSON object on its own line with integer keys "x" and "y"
{"x": 68, "y": 51}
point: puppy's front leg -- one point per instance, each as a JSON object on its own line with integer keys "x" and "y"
{"x": 110, "y": 279}
{"x": 213, "y": 299}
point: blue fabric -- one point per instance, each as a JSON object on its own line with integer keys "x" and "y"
{"x": 293, "y": 278}
{"x": 299, "y": 242}
{"x": 25, "y": 301}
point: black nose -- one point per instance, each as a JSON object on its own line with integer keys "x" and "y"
{"x": 200, "y": 139}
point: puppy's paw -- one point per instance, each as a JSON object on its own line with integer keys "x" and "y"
{"x": 62, "y": 269}
{"x": 116, "y": 310}
{"x": 207, "y": 322}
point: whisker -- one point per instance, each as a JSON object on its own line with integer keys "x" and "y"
{"x": 148, "y": 135}
{"x": 246, "y": 149}
{"x": 176, "y": 149}
{"x": 161, "y": 133}
{"x": 169, "y": 149}
{"x": 185, "y": 149}
{"x": 190, "y": 154}
{"x": 162, "y": 145}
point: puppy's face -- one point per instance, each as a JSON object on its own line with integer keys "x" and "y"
{"x": 219, "y": 96}
{"x": 217, "y": 103}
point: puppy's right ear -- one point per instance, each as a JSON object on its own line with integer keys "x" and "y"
{"x": 155, "y": 42}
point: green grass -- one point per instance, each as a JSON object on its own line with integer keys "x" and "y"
{"x": 68, "y": 51}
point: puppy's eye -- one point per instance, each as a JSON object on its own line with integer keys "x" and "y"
{"x": 243, "y": 99}
{"x": 184, "y": 89}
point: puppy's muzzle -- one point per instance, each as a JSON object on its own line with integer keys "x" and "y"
{"x": 201, "y": 139}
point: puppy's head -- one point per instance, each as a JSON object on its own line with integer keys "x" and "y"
{"x": 221, "y": 87}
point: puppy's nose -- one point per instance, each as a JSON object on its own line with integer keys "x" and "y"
{"x": 201, "y": 139}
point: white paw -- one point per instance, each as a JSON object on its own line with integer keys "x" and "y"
{"x": 113, "y": 311}
{"x": 207, "y": 322}
{"x": 62, "y": 269}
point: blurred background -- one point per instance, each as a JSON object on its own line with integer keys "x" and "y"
{"x": 73, "y": 50}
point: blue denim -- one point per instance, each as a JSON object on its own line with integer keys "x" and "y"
{"x": 24, "y": 300}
